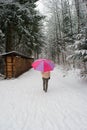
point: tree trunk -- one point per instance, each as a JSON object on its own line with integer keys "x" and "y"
{"x": 78, "y": 14}
{"x": 9, "y": 45}
{"x": 70, "y": 18}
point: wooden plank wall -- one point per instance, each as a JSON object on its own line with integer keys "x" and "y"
{"x": 21, "y": 65}
{"x": 8, "y": 67}
{"x": 16, "y": 65}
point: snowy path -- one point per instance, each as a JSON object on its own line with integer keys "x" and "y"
{"x": 25, "y": 106}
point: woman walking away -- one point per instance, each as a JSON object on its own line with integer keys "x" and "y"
{"x": 45, "y": 66}
{"x": 45, "y": 77}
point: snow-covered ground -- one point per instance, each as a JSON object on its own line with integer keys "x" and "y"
{"x": 25, "y": 106}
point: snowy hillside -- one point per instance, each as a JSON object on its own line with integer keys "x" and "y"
{"x": 25, "y": 106}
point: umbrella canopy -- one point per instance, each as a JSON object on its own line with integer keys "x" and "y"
{"x": 43, "y": 65}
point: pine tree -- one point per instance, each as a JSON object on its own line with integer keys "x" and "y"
{"x": 2, "y": 39}
{"x": 19, "y": 18}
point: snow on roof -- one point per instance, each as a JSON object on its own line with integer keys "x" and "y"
{"x": 15, "y": 53}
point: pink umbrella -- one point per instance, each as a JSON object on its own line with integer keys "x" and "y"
{"x": 43, "y": 65}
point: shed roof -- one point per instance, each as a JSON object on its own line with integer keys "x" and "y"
{"x": 15, "y": 53}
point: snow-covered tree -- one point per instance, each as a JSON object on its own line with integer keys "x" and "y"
{"x": 18, "y": 22}
{"x": 66, "y": 27}
{"x": 2, "y": 39}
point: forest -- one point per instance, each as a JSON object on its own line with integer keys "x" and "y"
{"x": 61, "y": 35}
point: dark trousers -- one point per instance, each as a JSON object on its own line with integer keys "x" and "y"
{"x": 45, "y": 84}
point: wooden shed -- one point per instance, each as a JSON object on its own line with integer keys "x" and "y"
{"x": 15, "y": 64}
